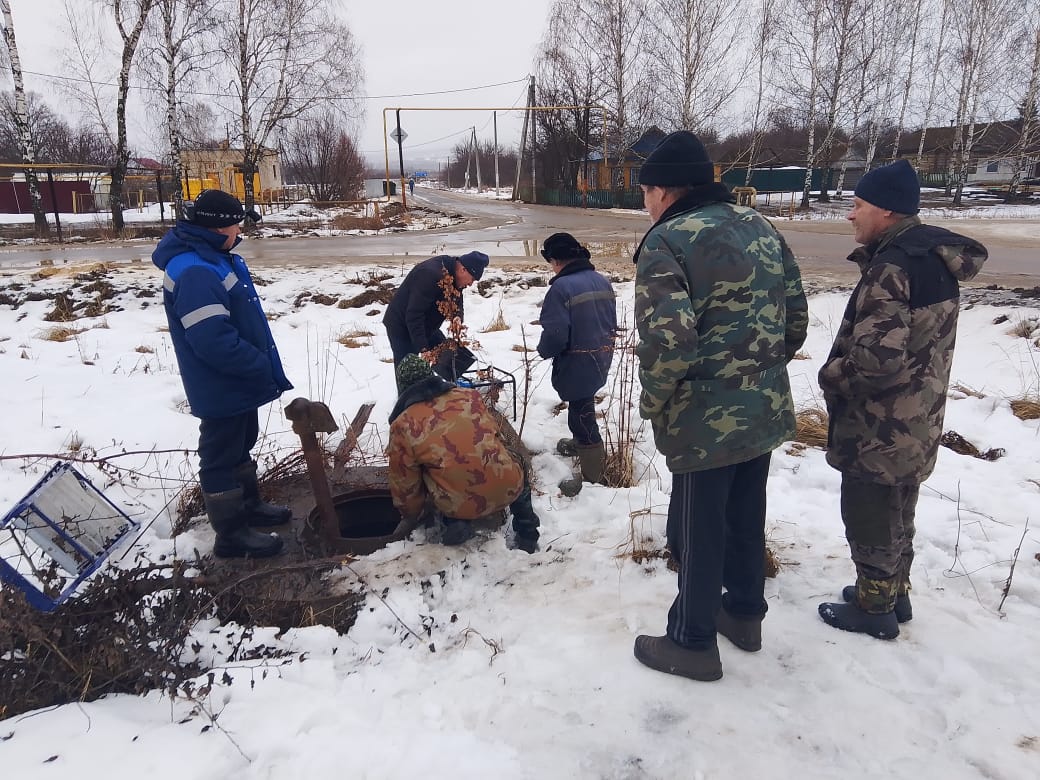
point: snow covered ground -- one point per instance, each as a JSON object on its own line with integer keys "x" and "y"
{"x": 525, "y": 667}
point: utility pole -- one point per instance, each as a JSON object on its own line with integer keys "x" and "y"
{"x": 476, "y": 157}
{"x": 523, "y": 140}
{"x": 399, "y": 134}
{"x": 534, "y": 144}
{"x": 495, "y": 118}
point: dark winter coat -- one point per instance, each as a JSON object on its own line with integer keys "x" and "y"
{"x": 445, "y": 444}
{"x": 228, "y": 360}
{"x": 886, "y": 378}
{"x": 578, "y": 322}
{"x": 720, "y": 311}
{"x": 414, "y": 316}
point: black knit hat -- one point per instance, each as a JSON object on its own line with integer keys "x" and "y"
{"x": 892, "y": 187}
{"x": 680, "y": 160}
{"x": 563, "y": 246}
{"x": 412, "y": 369}
{"x": 475, "y": 263}
{"x": 217, "y": 209}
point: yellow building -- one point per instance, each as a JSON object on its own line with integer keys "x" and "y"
{"x": 221, "y": 168}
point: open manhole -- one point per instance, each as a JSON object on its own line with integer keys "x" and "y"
{"x": 367, "y": 520}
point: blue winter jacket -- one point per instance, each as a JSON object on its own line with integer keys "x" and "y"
{"x": 227, "y": 356}
{"x": 578, "y": 322}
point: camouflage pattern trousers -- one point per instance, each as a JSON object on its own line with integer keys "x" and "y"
{"x": 879, "y": 526}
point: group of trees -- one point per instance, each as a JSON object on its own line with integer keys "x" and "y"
{"x": 863, "y": 70}
{"x": 254, "y": 72}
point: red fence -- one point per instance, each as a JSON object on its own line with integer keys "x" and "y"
{"x": 14, "y": 196}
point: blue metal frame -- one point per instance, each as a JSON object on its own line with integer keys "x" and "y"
{"x": 93, "y": 561}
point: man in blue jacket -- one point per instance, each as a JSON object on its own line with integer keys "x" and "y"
{"x": 229, "y": 366}
{"x": 578, "y": 320}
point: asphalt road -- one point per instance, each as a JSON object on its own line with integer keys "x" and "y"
{"x": 511, "y": 234}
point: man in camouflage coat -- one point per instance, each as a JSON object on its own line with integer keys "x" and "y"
{"x": 885, "y": 385}
{"x": 445, "y": 445}
{"x": 720, "y": 312}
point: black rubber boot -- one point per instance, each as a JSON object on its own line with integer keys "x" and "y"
{"x": 525, "y": 522}
{"x": 235, "y": 539}
{"x": 849, "y": 617}
{"x": 664, "y": 655}
{"x": 904, "y": 609}
{"x": 261, "y": 513}
{"x": 744, "y": 632}
{"x": 457, "y": 532}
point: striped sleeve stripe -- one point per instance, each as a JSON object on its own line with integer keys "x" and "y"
{"x": 588, "y": 297}
{"x": 168, "y": 283}
{"x": 230, "y": 281}
{"x": 204, "y": 313}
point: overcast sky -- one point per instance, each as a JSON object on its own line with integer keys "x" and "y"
{"x": 410, "y": 47}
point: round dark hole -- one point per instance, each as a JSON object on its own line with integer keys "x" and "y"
{"x": 366, "y": 514}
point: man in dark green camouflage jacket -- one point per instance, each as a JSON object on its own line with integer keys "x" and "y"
{"x": 720, "y": 313}
{"x": 885, "y": 385}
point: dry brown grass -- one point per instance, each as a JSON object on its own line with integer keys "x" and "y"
{"x": 61, "y": 334}
{"x": 965, "y": 390}
{"x": 811, "y": 427}
{"x": 352, "y": 339}
{"x": 521, "y": 348}
{"x": 144, "y": 350}
{"x": 497, "y": 324}
{"x": 355, "y": 222}
{"x": 802, "y": 356}
{"x": 1023, "y": 329}
{"x": 1026, "y": 408}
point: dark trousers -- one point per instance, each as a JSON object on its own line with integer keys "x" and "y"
{"x": 716, "y": 532}
{"x": 225, "y": 442}
{"x": 451, "y": 363}
{"x": 879, "y": 525}
{"x": 581, "y": 419}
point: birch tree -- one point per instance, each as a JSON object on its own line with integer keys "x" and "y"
{"x": 761, "y": 53}
{"x": 939, "y": 38}
{"x": 21, "y": 122}
{"x": 176, "y": 37}
{"x": 693, "y": 40}
{"x": 286, "y": 57}
{"x": 1030, "y": 133}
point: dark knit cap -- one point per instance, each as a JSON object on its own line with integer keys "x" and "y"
{"x": 680, "y": 160}
{"x": 411, "y": 370}
{"x": 217, "y": 209}
{"x": 475, "y": 263}
{"x": 564, "y": 247}
{"x": 892, "y": 187}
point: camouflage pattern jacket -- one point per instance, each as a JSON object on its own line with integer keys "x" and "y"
{"x": 445, "y": 445}
{"x": 886, "y": 378}
{"x": 720, "y": 312}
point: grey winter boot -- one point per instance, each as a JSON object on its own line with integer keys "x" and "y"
{"x": 261, "y": 513}
{"x": 592, "y": 457}
{"x": 525, "y": 522}
{"x": 567, "y": 447}
{"x": 664, "y": 655}
{"x": 744, "y": 632}
{"x": 235, "y": 539}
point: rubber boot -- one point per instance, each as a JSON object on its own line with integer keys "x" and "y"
{"x": 664, "y": 655}
{"x": 871, "y": 612}
{"x": 525, "y": 522}
{"x": 904, "y": 609}
{"x": 261, "y": 513}
{"x": 567, "y": 447}
{"x": 744, "y": 632}
{"x": 457, "y": 532}
{"x": 592, "y": 457}
{"x": 235, "y": 539}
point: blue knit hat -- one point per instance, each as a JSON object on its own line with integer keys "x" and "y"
{"x": 892, "y": 187}
{"x": 475, "y": 263}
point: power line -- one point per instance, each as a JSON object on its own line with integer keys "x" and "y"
{"x": 145, "y": 88}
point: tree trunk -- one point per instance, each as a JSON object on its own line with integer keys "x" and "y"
{"x": 21, "y": 121}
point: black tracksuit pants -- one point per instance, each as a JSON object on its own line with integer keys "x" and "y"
{"x": 716, "y": 532}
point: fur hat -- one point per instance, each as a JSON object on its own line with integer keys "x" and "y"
{"x": 411, "y": 370}
{"x": 680, "y": 160}
{"x": 892, "y": 187}
{"x": 217, "y": 209}
{"x": 475, "y": 263}
{"x": 563, "y": 247}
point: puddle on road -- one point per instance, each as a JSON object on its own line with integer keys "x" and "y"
{"x": 532, "y": 248}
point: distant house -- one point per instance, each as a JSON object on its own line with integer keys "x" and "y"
{"x": 994, "y": 151}
{"x": 221, "y": 168}
{"x": 626, "y": 168}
